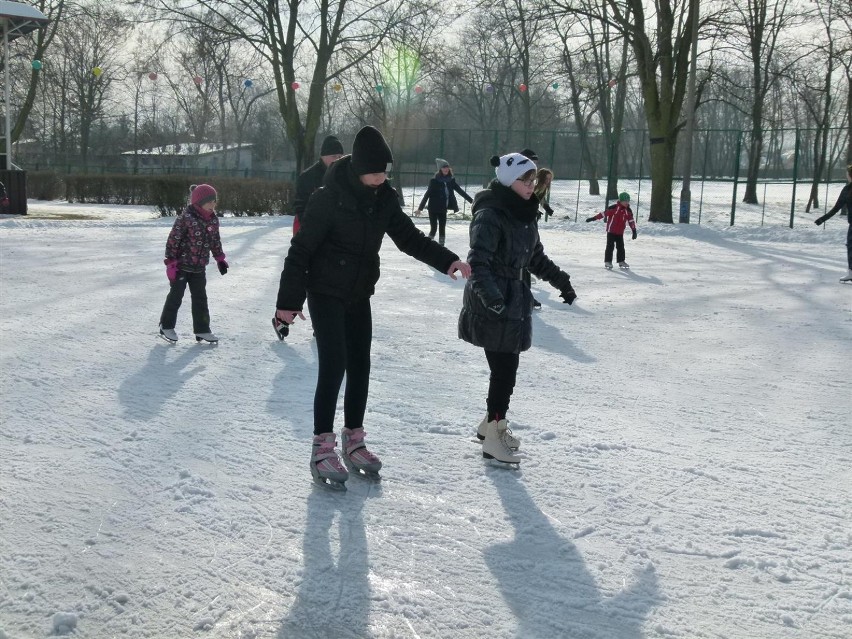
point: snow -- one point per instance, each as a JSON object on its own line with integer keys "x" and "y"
{"x": 685, "y": 429}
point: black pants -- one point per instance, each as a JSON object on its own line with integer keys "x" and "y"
{"x": 197, "y": 283}
{"x": 344, "y": 334}
{"x": 438, "y": 219}
{"x": 614, "y": 240}
{"x": 849, "y": 246}
{"x": 504, "y": 371}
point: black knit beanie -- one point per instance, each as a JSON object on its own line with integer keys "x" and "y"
{"x": 331, "y": 146}
{"x": 370, "y": 152}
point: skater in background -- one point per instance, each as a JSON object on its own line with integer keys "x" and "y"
{"x": 844, "y": 200}
{"x": 441, "y": 196}
{"x": 310, "y": 179}
{"x": 4, "y": 199}
{"x": 543, "y": 180}
{"x": 618, "y": 216}
{"x": 496, "y": 310}
{"x": 194, "y": 236}
{"x": 333, "y": 261}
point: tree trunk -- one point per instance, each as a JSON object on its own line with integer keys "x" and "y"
{"x": 662, "y": 172}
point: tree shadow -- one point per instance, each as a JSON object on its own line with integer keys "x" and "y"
{"x": 144, "y": 393}
{"x": 333, "y": 601}
{"x": 546, "y": 584}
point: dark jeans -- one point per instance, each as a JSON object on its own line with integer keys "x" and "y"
{"x": 438, "y": 219}
{"x": 504, "y": 370}
{"x": 344, "y": 334}
{"x": 614, "y": 240}
{"x": 849, "y": 246}
{"x": 198, "y": 290}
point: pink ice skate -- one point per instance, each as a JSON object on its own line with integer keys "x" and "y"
{"x": 325, "y": 464}
{"x": 356, "y": 456}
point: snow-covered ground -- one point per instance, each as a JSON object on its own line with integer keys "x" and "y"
{"x": 686, "y": 433}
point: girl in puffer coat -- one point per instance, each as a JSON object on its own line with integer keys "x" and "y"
{"x": 497, "y": 309}
{"x": 194, "y": 236}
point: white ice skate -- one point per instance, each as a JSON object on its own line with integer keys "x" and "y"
{"x": 169, "y": 335}
{"x": 208, "y": 337}
{"x": 608, "y": 266}
{"x": 495, "y": 447}
{"x": 624, "y": 266}
{"x": 847, "y": 277}
{"x": 326, "y": 468}
{"x": 511, "y": 441}
{"x": 357, "y": 458}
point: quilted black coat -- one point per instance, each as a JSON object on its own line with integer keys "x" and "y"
{"x": 504, "y": 242}
{"x": 336, "y": 251}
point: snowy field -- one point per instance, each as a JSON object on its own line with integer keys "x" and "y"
{"x": 686, "y": 427}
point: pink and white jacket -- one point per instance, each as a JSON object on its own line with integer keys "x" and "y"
{"x": 194, "y": 236}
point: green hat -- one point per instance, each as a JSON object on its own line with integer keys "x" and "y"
{"x": 624, "y": 196}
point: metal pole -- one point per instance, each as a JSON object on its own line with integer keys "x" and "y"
{"x": 736, "y": 175}
{"x": 795, "y": 175}
{"x": 7, "y": 135}
{"x": 685, "y": 193}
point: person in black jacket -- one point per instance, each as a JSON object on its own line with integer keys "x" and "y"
{"x": 844, "y": 200}
{"x": 334, "y": 262}
{"x": 311, "y": 178}
{"x": 497, "y": 306}
{"x": 441, "y": 196}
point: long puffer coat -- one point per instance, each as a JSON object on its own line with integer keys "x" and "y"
{"x": 504, "y": 242}
{"x": 336, "y": 251}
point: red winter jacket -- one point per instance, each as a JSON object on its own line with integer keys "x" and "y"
{"x": 617, "y": 218}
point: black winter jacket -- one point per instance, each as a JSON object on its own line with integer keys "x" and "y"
{"x": 504, "y": 242}
{"x": 437, "y": 199}
{"x": 308, "y": 181}
{"x": 336, "y": 251}
{"x": 843, "y": 200}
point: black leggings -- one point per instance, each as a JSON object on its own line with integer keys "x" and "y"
{"x": 504, "y": 370}
{"x": 438, "y": 219}
{"x": 849, "y": 245}
{"x": 344, "y": 333}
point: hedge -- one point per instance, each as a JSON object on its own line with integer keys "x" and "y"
{"x": 168, "y": 193}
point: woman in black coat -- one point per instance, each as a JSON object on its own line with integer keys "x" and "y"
{"x": 497, "y": 309}
{"x": 441, "y": 196}
{"x": 844, "y": 200}
{"x": 333, "y": 261}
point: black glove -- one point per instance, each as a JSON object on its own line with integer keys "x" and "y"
{"x": 591, "y": 219}
{"x": 568, "y": 295}
{"x": 819, "y": 220}
{"x": 497, "y": 309}
{"x": 634, "y": 234}
{"x": 223, "y": 266}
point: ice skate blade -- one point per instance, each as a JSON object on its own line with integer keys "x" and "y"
{"x": 212, "y": 342}
{"x": 170, "y": 341}
{"x": 499, "y": 463}
{"x": 496, "y": 463}
{"x": 364, "y": 473}
{"x": 328, "y": 484}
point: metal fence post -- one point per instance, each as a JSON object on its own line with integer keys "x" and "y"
{"x": 736, "y": 176}
{"x": 795, "y": 175}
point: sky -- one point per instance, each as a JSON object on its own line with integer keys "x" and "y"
{"x": 685, "y": 432}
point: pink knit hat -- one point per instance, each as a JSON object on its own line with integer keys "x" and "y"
{"x": 202, "y": 194}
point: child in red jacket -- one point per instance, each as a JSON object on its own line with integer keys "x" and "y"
{"x": 618, "y": 216}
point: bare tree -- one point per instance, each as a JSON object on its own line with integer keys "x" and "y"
{"x": 320, "y": 40}
{"x": 41, "y": 41}
{"x": 758, "y": 29}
